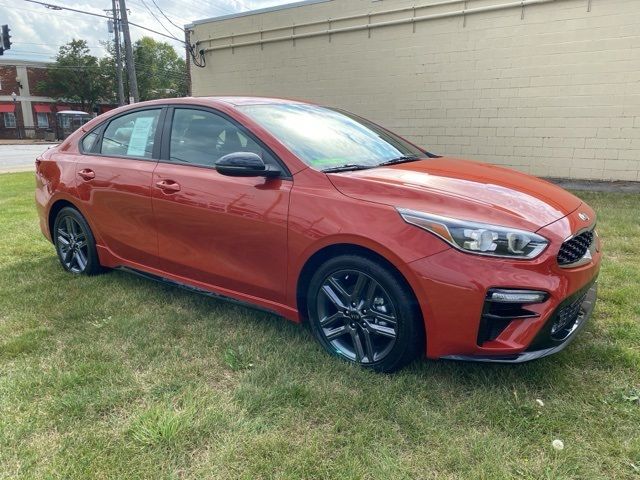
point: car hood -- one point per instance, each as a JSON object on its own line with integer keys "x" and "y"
{"x": 461, "y": 189}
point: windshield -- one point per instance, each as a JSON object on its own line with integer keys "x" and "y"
{"x": 325, "y": 138}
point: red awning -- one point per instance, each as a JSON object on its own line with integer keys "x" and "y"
{"x": 42, "y": 108}
{"x": 7, "y": 107}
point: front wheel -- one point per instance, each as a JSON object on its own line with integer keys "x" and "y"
{"x": 362, "y": 311}
{"x": 74, "y": 243}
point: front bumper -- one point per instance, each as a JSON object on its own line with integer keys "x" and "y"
{"x": 544, "y": 344}
{"x": 452, "y": 289}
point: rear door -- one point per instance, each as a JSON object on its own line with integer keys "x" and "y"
{"x": 113, "y": 181}
{"x": 227, "y": 232}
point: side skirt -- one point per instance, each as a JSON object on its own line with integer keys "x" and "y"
{"x": 201, "y": 291}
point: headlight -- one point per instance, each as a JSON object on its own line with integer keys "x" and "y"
{"x": 479, "y": 238}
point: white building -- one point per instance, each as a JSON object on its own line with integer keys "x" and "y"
{"x": 550, "y": 87}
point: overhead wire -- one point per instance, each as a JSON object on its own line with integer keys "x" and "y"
{"x": 165, "y": 16}
{"x": 159, "y": 22}
{"x": 197, "y": 57}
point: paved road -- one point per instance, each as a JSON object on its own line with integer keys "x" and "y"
{"x": 20, "y": 158}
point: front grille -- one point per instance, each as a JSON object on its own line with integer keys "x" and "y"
{"x": 566, "y": 317}
{"x": 575, "y": 248}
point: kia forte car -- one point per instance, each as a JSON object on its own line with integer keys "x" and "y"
{"x": 388, "y": 251}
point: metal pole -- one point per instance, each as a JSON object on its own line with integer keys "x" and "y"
{"x": 116, "y": 33}
{"x": 15, "y": 115}
{"x": 187, "y": 40}
{"x": 128, "y": 51}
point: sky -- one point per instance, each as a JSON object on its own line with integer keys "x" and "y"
{"x": 37, "y": 32}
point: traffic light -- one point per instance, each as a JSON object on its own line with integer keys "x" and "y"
{"x": 5, "y": 42}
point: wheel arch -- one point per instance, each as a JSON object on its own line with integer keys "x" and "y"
{"x": 55, "y": 209}
{"x": 329, "y": 251}
{"x": 61, "y": 203}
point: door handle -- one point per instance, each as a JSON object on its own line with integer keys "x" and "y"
{"x": 168, "y": 186}
{"x": 87, "y": 174}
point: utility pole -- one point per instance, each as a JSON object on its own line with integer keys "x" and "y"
{"x": 128, "y": 51}
{"x": 116, "y": 33}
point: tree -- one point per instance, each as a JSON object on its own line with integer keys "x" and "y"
{"x": 161, "y": 73}
{"x": 78, "y": 77}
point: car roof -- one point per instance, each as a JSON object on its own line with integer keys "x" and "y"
{"x": 244, "y": 100}
{"x": 231, "y": 101}
{"x": 222, "y": 100}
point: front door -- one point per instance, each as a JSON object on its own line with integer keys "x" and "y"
{"x": 114, "y": 185}
{"x": 227, "y": 232}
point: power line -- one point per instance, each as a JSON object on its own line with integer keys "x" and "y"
{"x": 79, "y": 66}
{"x": 58, "y": 7}
{"x": 202, "y": 6}
{"x": 25, "y": 9}
{"x": 184, "y": 19}
{"x": 157, "y": 19}
{"x": 197, "y": 57}
{"x": 48, "y": 45}
{"x": 144, "y": 66}
{"x": 51, "y": 6}
{"x": 20, "y": 52}
{"x": 163, "y": 14}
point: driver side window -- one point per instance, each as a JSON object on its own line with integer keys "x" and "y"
{"x": 201, "y": 138}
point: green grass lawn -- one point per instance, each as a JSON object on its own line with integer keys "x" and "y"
{"x": 118, "y": 377}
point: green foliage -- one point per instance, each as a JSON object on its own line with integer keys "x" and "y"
{"x": 78, "y": 77}
{"x": 160, "y": 72}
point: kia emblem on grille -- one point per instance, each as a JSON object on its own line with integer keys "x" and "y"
{"x": 583, "y": 216}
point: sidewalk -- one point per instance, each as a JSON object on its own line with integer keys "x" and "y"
{"x": 27, "y": 141}
{"x": 20, "y": 157}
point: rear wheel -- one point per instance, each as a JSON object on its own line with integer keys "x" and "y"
{"x": 364, "y": 312}
{"x": 74, "y": 243}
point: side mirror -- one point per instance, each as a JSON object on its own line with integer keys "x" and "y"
{"x": 244, "y": 164}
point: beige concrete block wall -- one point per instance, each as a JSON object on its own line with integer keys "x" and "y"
{"x": 552, "y": 91}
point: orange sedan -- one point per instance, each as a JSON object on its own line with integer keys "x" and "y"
{"x": 388, "y": 251}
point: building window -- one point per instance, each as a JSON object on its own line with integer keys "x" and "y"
{"x": 43, "y": 120}
{"x": 9, "y": 120}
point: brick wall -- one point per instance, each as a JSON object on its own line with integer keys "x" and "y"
{"x": 552, "y": 91}
{"x": 11, "y": 133}
{"x": 8, "y": 82}
{"x": 37, "y": 75}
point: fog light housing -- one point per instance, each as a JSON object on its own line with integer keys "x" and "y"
{"x": 502, "y": 306}
{"x": 516, "y": 296}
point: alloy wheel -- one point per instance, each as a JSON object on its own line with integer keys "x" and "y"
{"x": 357, "y": 316}
{"x": 71, "y": 240}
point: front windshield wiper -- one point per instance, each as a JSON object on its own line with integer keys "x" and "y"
{"x": 402, "y": 159}
{"x": 347, "y": 168}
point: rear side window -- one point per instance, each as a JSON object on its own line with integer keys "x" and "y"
{"x": 199, "y": 137}
{"x": 131, "y": 135}
{"x": 89, "y": 141}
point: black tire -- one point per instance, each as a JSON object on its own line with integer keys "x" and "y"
{"x": 377, "y": 295}
{"x": 75, "y": 244}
